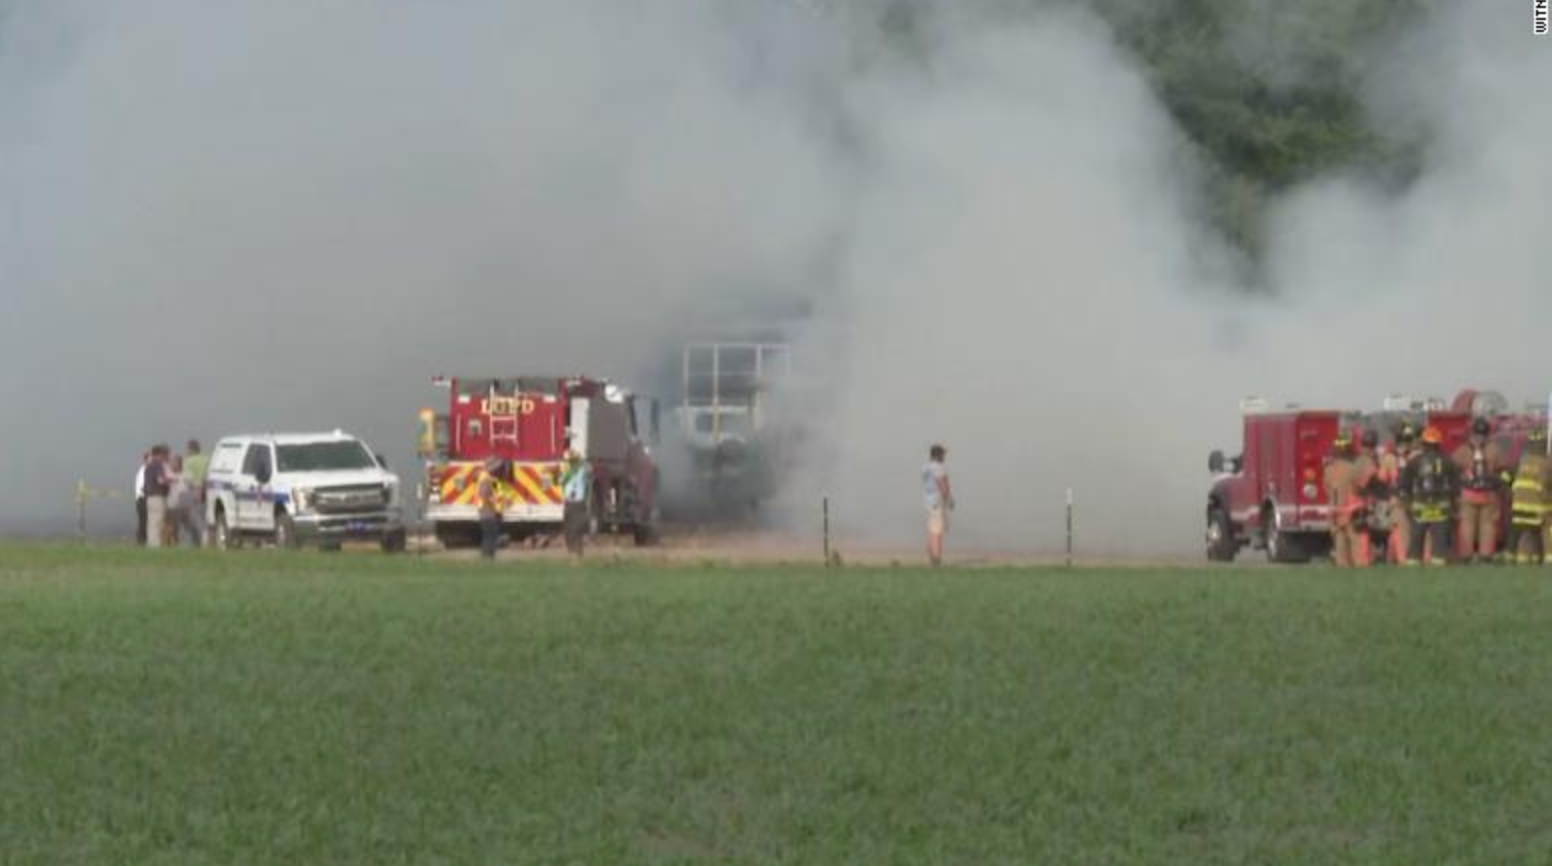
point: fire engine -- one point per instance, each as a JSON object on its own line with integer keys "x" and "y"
{"x": 527, "y": 423}
{"x": 1272, "y": 496}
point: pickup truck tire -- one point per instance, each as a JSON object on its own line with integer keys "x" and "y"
{"x": 285, "y": 532}
{"x": 221, "y": 535}
{"x": 1221, "y": 544}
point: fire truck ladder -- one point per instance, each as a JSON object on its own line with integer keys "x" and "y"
{"x": 503, "y": 425}
{"x": 503, "y": 428}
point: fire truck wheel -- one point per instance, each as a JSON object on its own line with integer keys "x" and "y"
{"x": 457, "y": 537}
{"x": 1221, "y": 545}
{"x": 1281, "y": 547}
{"x": 285, "y": 532}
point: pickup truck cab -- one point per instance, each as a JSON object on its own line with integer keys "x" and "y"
{"x": 295, "y": 488}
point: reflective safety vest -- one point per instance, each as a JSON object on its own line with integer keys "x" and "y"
{"x": 1529, "y": 491}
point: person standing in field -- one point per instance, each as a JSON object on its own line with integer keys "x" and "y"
{"x": 1483, "y": 473}
{"x": 576, "y": 482}
{"x": 490, "y": 509}
{"x": 140, "y": 500}
{"x": 1528, "y": 504}
{"x": 1344, "y": 482}
{"x": 1429, "y": 484}
{"x": 196, "y": 466}
{"x": 1392, "y": 464}
{"x": 156, "y": 489}
{"x": 939, "y": 499}
{"x": 182, "y": 505}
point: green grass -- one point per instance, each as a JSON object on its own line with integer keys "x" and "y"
{"x": 259, "y": 707}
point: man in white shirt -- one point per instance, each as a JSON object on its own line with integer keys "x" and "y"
{"x": 140, "y": 500}
{"x": 939, "y": 499}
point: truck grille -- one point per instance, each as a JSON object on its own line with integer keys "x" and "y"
{"x": 359, "y": 497}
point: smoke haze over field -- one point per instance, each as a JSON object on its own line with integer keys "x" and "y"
{"x": 222, "y": 217}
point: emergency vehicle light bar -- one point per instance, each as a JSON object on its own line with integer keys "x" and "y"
{"x": 1254, "y": 405}
{"x": 1408, "y": 403}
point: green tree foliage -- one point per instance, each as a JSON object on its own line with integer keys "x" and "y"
{"x": 1271, "y": 92}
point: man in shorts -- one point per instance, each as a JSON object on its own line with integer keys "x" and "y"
{"x": 939, "y": 499}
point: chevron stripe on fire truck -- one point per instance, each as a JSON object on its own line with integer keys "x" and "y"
{"x": 530, "y": 483}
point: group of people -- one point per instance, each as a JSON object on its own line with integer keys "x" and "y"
{"x": 170, "y": 497}
{"x": 494, "y": 495}
{"x": 1407, "y": 500}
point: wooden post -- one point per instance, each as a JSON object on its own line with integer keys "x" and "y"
{"x": 825, "y": 509}
{"x": 1069, "y": 527}
{"x": 81, "y": 495}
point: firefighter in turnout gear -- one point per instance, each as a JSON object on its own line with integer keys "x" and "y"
{"x": 1483, "y": 478}
{"x": 1375, "y": 494}
{"x": 1528, "y": 508}
{"x": 1391, "y": 465}
{"x": 492, "y": 503}
{"x": 1429, "y": 485}
{"x": 576, "y": 483}
{"x": 1345, "y": 486}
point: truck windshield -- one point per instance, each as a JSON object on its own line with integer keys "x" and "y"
{"x": 316, "y": 456}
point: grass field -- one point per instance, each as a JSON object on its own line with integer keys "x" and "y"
{"x": 185, "y": 708}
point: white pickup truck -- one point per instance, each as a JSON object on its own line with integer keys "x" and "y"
{"x": 294, "y": 488}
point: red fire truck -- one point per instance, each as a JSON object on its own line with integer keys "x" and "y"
{"x": 527, "y": 424}
{"x": 1272, "y": 495}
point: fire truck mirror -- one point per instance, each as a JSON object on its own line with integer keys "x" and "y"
{"x": 1215, "y": 462}
{"x": 657, "y": 427}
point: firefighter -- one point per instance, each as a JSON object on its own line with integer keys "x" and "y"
{"x": 491, "y": 506}
{"x": 1429, "y": 485}
{"x": 1484, "y": 475}
{"x": 1391, "y": 465}
{"x": 1528, "y": 508}
{"x": 576, "y": 483}
{"x": 1372, "y": 492}
{"x": 1342, "y": 482}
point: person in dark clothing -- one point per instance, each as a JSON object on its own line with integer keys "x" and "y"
{"x": 1429, "y": 485}
{"x": 156, "y": 488}
{"x": 491, "y": 508}
{"x": 576, "y": 483}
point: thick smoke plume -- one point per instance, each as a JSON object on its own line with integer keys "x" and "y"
{"x": 289, "y": 215}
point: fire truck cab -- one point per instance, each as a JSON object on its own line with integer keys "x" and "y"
{"x": 526, "y": 424}
{"x": 1272, "y": 495}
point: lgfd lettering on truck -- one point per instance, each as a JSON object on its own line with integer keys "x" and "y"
{"x": 526, "y": 424}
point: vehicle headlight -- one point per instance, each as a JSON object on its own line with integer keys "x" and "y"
{"x": 391, "y": 492}
{"x": 302, "y": 497}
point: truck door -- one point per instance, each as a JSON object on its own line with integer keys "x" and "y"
{"x": 577, "y": 425}
{"x": 251, "y": 487}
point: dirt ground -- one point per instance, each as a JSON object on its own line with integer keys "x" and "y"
{"x": 690, "y": 546}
